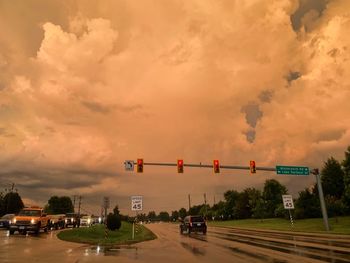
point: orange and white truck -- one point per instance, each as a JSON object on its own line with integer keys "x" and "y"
{"x": 30, "y": 219}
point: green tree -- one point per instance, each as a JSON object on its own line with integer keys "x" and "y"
{"x": 12, "y": 203}
{"x": 219, "y": 211}
{"x": 116, "y": 210}
{"x": 2, "y": 204}
{"x": 242, "y": 209}
{"x": 332, "y": 178}
{"x": 195, "y": 210}
{"x": 346, "y": 169}
{"x": 152, "y": 216}
{"x": 272, "y": 195}
{"x": 231, "y": 197}
{"x": 259, "y": 210}
{"x": 174, "y": 215}
{"x": 307, "y": 205}
{"x": 164, "y": 216}
{"x": 182, "y": 213}
{"x": 59, "y": 205}
{"x": 246, "y": 201}
{"x": 113, "y": 222}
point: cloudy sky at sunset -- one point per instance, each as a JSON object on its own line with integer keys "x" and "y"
{"x": 85, "y": 85}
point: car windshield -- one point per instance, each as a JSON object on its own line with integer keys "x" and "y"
{"x": 7, "y": 217}
{"x": 29, "y": 213}
{"x": 71, "y": 215}
{"x": 197, "y": 219}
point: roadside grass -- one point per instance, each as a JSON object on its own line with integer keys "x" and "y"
{"x": 95, "y": 235}
{"x": 341, "y": 225}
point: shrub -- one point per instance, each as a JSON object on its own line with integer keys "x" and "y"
{"x": 113, "y": 222}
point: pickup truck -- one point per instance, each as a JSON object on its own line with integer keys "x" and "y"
{"x": 29, "y": 219}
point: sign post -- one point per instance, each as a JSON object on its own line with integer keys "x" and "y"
{"x": 288, "y": 204}
{"x": 136, "y": 205}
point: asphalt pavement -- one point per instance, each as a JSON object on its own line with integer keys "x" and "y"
{"x": 219, "y": 245}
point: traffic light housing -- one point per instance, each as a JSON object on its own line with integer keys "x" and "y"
{"x": 140, "y": 165}
{"x": 252, "y": 167}
{"x": 180, "y": 166}
{"x": 216, "y": 166}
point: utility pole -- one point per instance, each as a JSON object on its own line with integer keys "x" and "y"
{"x": 189, "y": 202}
{"x": 74, "y": 196}
{"x": 214, "y": 199}
{"x": 79, "y": 205}
{"x": 205, "y": 203}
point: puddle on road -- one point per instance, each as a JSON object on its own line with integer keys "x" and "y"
{"x": 319, "y": 254}
{"x": 256, "y": 255}
{"x": 129, "y": 251}
{"x": 193, "y": 249}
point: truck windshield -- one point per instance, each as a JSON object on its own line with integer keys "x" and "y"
{"x": 29, "y": 213}
{"x": 197, "y": 219}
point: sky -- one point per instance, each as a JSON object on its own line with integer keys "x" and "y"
{"x": 86, "y": 85}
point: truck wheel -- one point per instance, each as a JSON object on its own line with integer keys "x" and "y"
{"x": 189, "y": 230}
{"x": 45, "y": 229}
{"x": 12, "y": 232}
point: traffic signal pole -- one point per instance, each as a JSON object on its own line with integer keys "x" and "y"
{"x": 253, "y": 169}
{"x": 321, "y": 196}
{"x": 200, "y": 165}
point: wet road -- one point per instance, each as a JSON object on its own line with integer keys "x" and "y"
{"x": 219, "y": 245}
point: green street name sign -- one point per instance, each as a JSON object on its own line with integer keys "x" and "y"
{"x": 292, "y": 170}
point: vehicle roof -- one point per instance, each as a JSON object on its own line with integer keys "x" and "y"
{"x": 32, "y": 208}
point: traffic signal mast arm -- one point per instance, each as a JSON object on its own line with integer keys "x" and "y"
{"x": 200, "y": 165}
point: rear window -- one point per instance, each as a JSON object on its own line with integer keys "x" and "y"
{"x": 197, "y": 219}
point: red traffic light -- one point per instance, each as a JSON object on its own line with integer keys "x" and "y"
{"x": 252, "y": 167}
{"x": 216, "y": 166}
{"x": 180, "y": 166}
{"x": 140, "y": 165}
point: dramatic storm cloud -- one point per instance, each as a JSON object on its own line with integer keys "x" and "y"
{"x": 85, "y": 85}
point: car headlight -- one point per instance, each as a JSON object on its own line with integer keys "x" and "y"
{"x": 33, "y": 221}
{"x": 14, "y": 221}
{"x": 65, "y": 220}
{"x": 88, "y": 221}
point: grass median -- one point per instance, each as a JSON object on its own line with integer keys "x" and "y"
{"x": 340, "y": 225}
{"x": 95, "y": 235}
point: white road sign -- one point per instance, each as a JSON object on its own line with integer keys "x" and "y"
{"x": 136, "y": 203}
{"x": 288, "y": 202}
{"x": 129, "y": 165}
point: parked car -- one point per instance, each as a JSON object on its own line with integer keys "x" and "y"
{"x": 29, "y": 219}
{"x": 5, "y": 220}
{"x": 97, "y": 219}
{"x": 72, "y": 219}
{"x": 193, "y": 224}
{"x": 57, "y": 221}
{"x": 86, "y": 221}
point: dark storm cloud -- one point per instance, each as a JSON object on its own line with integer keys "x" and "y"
{"x": 311, "y": 8}
{"x": 266, "y": 96}
{"x": 5, "y": 133}
{"x": 332, "y": 135}
{"x": 105, "y": 109}
{"x": 252, "y": 113}
{"x": 292, "y": 75}
{"x": 97, "y": 107}
{"x": 250, "y": 136}
{"x": 54, "y": 179}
